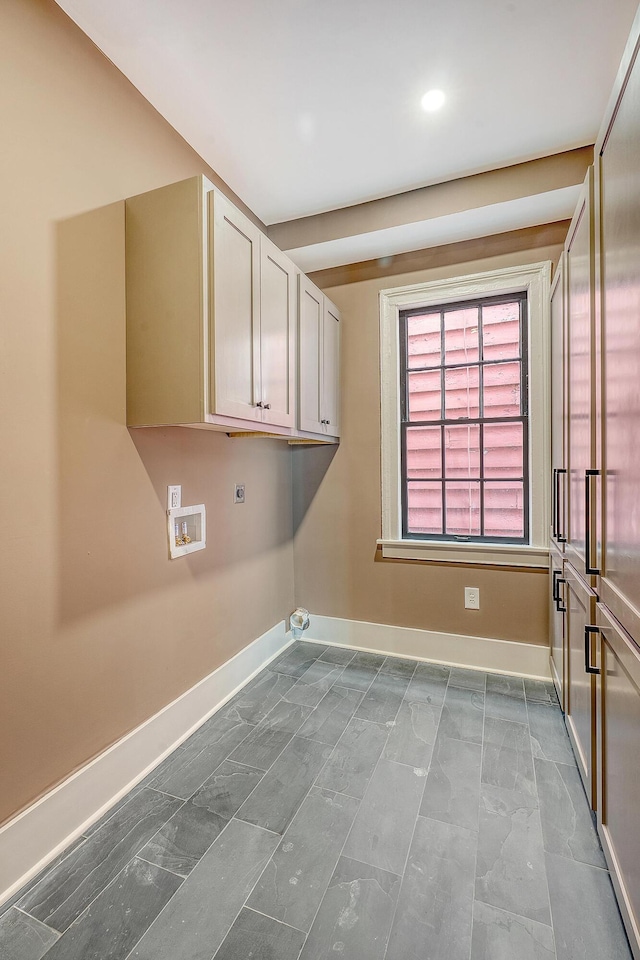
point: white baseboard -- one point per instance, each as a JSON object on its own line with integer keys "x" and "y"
{"x": 37, "y": 835}
{"x": 477, "y": 653}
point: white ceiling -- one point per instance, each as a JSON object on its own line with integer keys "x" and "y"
{"x": 303, "y": 106}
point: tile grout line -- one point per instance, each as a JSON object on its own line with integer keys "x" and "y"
{"x": 179, "y": 876}
{"x": 25, "y": 914}
{"x": 518, "y": 916}
{"x": 269, "y": 917}
{"x": 165, "y": 794}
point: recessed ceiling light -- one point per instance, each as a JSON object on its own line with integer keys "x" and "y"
{"x": 432, "y": 100}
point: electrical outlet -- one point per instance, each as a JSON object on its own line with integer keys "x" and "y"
{"x": 472, "y": 598}
{"x": 238, "y": 495}
{"x": 174, "y": 497}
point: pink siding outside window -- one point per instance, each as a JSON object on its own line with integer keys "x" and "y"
{"x": 465, "y": 478}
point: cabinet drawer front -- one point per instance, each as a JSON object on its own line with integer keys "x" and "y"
{"x": 619, "y": 706}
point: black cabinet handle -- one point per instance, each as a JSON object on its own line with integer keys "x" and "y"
{"x": 560, "y": 607}
{"x": 554, "y": 507}
{"x": 560, "y": 537}
{"x": 259, "y": 403}
{"x": 588, "y": 631}
{"x": 587, "y": 521}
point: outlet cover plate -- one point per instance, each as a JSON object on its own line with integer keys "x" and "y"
{"x": 472, "y": 598}
{"x": 174, "y": 496}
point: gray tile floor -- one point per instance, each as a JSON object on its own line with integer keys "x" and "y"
{"x": 342, "y": 805}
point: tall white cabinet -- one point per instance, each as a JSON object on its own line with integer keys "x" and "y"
{"x": 595, "y": 584}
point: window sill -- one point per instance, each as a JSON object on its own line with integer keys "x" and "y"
{"x": 507, "y": 555}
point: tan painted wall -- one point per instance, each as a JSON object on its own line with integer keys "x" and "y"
{"x": 337, "y": 510}
{"x": 98, "y": 628}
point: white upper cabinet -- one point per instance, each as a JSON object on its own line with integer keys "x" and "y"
{"x": 252, "y": 320}
{"x": 235, "y": 314}
{"x": 211, "y": 315}
{"x": 318, "y": 361}
{"x": 331, "y": 368}
{"x": 277, "y": 336}
{"x": 310, "y": 322}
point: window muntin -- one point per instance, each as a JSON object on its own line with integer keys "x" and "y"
{"x": 464, "y": 424}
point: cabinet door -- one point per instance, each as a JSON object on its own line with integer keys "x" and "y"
{"x": 558, "y": 410}
{"x": 310, "y": 356}
{"x": 277, "y": 336}
{"x": 618, "y": 778}
{"x": 556, "y": 621}
{"x": 580, "y": 688}
{"x": 581, "y": 382}
{"x": 331, "y": 369}
{"x": 235, "y": 311}
{"x": 619, "y": 276}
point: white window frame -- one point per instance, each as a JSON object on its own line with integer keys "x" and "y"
{"x": 535, "y": 279}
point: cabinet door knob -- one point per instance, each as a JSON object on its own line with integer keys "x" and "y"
{"x": 266, "y": 406}
{"x": 259, "y": 403}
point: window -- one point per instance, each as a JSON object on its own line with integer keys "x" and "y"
{"x": 464, "y": 420}
{"x": 465, "y": 411}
